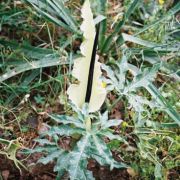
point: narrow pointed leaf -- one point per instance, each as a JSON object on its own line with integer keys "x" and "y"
{"x": 164, "y": 103}
{"x": 119, "y": 25}
{"x": 56, "y": 12}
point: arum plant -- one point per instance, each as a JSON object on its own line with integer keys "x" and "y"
{"x": 90, "y": 143}
{"x": 87, "y": 96}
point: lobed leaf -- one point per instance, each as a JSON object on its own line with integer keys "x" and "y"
{"x": 78, "y": 161}
{"x": 101, "y": 150}
{"x": 64, "y": 130}
{"x": 67, "y": 120}
{"x": 51, "y": 156}
{"x": 143, "y": 79}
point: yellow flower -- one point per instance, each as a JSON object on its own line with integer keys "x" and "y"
{"x": 104, "y": 84}
{"x": 161, "y": 2}
{"x": 124, "y": 124}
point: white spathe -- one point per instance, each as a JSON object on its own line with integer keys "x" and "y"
{"x": 77, "y": 92}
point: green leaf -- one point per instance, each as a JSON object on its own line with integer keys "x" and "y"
{"x": 156, "y": 47}
{"x": 106, "y": 123}
{"x": 56, "y": 12}
{"x": 99, "y": 19}
{"x": 171, "y": 12}
{"x": 64, "y": 130}
{"x": 143, "y": 79}
{"x": 138, "y": 103}
{"x": 67, "y": 120}
{"x": 111, "y": 123}
{"x": 131, "y": 38}
{"x": 44, "y": 142}
{"x": 62, "y": 163}
{"x": 101, "y": 150}
{"x": 28, "y": 50}
{"x": 111, "y": 136}
{"x": 159, "y": 98}
{"x": 116, "y": 76}
{"x": 102, "y": 6}
{"x": 39, "y": 149}
{"x": 119, "y": 25}
{"x": 122, "y": 69}
{"x": 112, "y": 82}
{"x": 158, "y": 171}
{"x": 78, "y": 161}
{"x": 164, "y": 103}
{"x": 45, "y": 62}
{"x": 51, "y": 156}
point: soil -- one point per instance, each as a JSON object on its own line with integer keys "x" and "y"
{"x": 45, "y": 172}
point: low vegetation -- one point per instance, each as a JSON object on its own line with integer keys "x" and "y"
{"x": 89, "y": 89}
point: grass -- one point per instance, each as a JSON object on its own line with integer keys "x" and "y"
{"x": 38, "y": 43}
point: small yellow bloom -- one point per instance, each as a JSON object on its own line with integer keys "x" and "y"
{"x": 161, "y": 2}
{"x": 124, "y": 124}
{"x": 104, "y": 84}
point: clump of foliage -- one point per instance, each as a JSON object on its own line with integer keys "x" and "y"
{"x": 90, "y": 143}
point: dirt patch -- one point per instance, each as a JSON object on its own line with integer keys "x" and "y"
{"x": 8, "y": 171}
